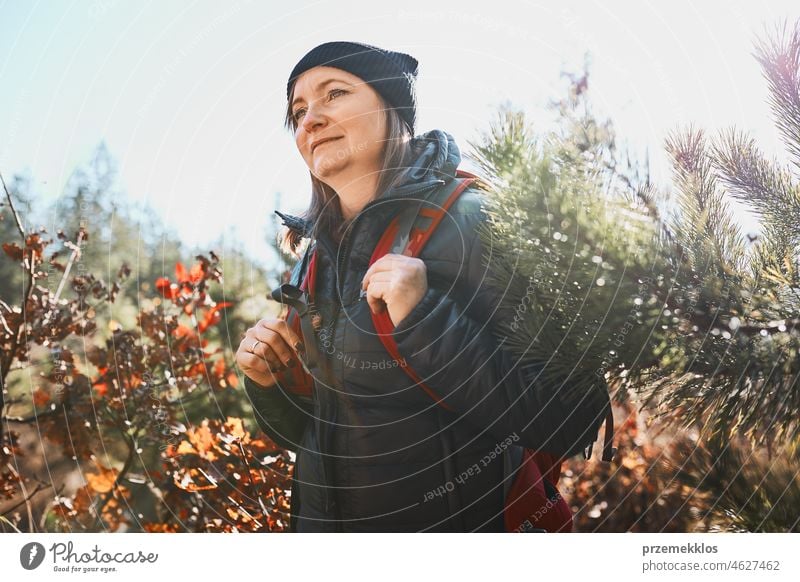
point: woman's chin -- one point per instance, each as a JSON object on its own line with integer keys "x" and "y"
{"x": 326, "y": 166}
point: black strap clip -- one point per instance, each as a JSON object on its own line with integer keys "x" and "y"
{"x": 292, "y": 296}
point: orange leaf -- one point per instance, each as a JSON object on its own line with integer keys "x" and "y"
{"x": 40, "y": 397}
{"x": 103, "y": 481}
{"x": 235, "y": 427}
{"x": 183, "y": 331}
{"x": 188, "y": 480}
{"x": 82, "y": 501}
{"x": 102, "y": 388}
{"x": 203, "y": 440}
{"x": 185, "y": 448}
{"x": 161, "y": 528}
{"x": 198, "y": 368}
{"x": 219, "y": 368}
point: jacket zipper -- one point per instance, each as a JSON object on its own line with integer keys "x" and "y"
{"x": 345, "y": 255}
{"x": 349, "y": 236}
{"x": 340, "y": 288}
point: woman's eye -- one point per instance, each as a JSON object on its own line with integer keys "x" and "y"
{"x": 331, "y": 93}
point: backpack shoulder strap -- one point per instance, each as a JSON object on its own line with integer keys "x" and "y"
{"x": 430, "y": 215}
{"x": 407, "y": 234}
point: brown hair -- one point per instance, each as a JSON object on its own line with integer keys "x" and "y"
{"x": 324, "y": 211}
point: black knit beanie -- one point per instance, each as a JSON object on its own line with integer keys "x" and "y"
{"x": 390, "y": 73}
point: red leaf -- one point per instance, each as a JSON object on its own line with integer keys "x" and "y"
{"x": 183, "y": 331}
{"x": 196, "y": 274}
{"x": 40, "y": 397}
{"x": 212, "y": 316}
{"x": 166, "y": 288}
{"x": 13, "y": 250}
{"x": 180, "y": 273}
{"x": 219, "y": 368}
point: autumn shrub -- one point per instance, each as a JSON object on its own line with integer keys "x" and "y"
{"x": 129, "y": 411}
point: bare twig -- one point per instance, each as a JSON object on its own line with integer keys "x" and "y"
{"x": 25, "y": 497}
{"x": 39, "y": 488}
{"x": 7, "y": 358}
{"x": 76, "y": 251}
{"x": 13, "y": 210}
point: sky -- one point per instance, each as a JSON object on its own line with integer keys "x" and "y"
{"x": 189, "y": 96}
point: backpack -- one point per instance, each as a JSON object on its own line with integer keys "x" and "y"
{"x": 532, "y": 502}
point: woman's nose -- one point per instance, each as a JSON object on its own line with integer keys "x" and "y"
{"x": 312, "y": 118}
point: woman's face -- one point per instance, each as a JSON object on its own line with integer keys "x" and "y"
{"x": 332, "y": 103}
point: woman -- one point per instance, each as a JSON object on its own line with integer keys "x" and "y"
{"x": 374, "y": 451}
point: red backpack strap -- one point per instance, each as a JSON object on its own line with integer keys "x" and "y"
{"x": 310, "y": 275}
{"x": 417, "y": 231}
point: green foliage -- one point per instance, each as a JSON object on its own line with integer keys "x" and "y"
{"x": 601, "y": 284}
{"x": 658, "y": 292}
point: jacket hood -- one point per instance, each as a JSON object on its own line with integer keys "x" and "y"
{"x": 436, "y": 158}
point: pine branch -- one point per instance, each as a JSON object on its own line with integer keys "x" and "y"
{"x": 779, "y": 57}
{"x": 758, "y": 183}
{"x": 704, "y": 225}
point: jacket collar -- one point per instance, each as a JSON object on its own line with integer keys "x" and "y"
{"x": 436, "y": 158}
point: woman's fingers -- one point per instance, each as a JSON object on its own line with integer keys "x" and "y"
{"x": 375, "y": 293}
{"x": 287, "y": 333}
{"x": 386, "y": 264}
{"x": 262, "y": 349}
{"x": 252, "y": 363}
{"x": 283, "y": 341}
{"x": 269, "y": 347}
{"x": 257, "y": 365}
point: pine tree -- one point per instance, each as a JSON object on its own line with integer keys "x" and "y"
{"x": 656, "y": 290}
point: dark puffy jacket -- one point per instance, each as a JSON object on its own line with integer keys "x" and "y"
{"x": 374, "y": 451}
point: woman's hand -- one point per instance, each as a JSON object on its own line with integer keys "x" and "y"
{"x": 397, "y": 283}
{"x": 275, "y": 351}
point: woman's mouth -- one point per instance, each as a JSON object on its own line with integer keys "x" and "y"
{"x": 314, "y": 148}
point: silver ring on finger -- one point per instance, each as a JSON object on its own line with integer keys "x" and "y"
{"x": 253, "y": 347}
